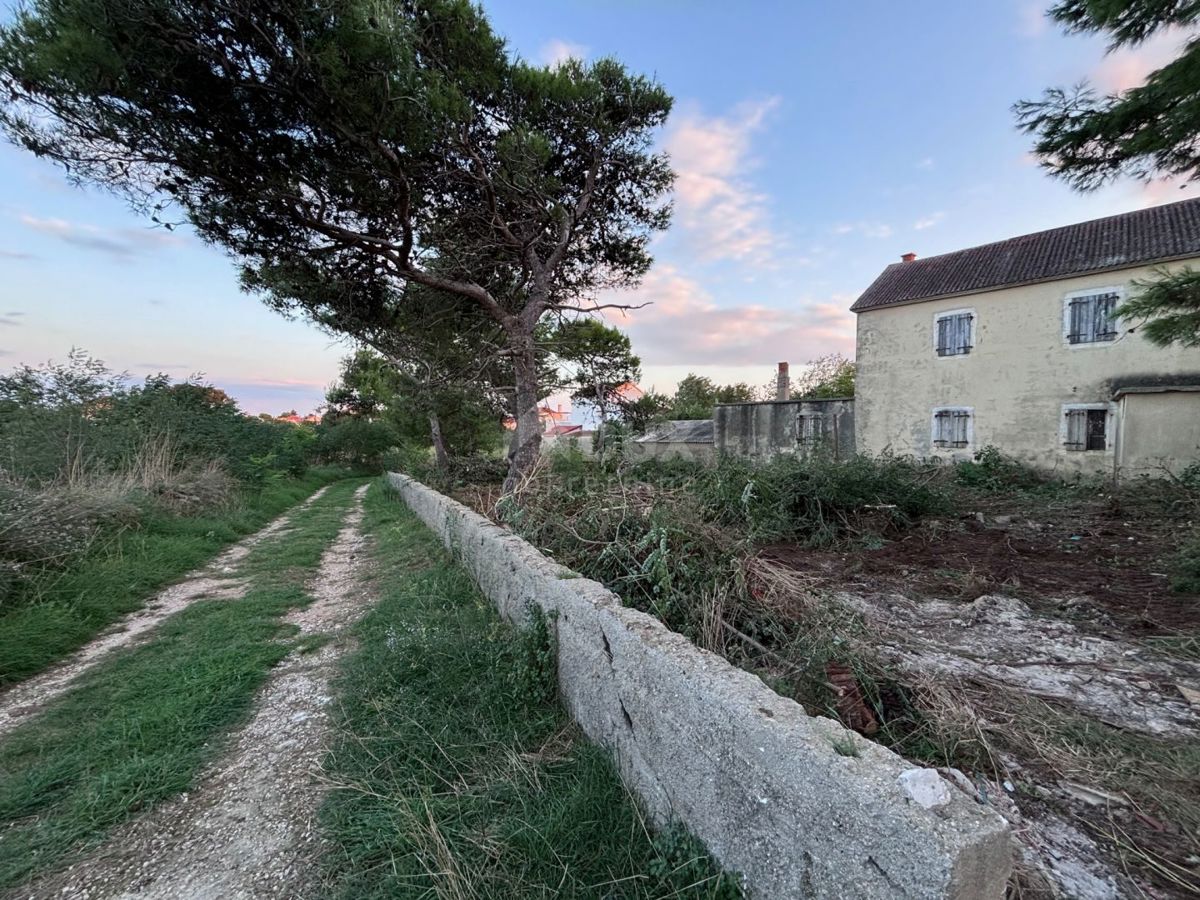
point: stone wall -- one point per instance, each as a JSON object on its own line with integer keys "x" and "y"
{"x": 799, "y": 805}
{"x": 764, "y": 430}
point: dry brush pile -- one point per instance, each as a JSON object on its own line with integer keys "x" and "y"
{"x": 1083, "y": 738}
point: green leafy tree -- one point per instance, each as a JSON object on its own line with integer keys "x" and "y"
{"x": 60, "y": 421}
{"x": 357, "y": 141}
{"x": 826, "y": 377}
{"x": 598, "y": 361}
{"x": 640, "y": 413}
{"x": 455, "y": 420}
{"x": 696, "y": 395}
{"x": 1149, "y": 131}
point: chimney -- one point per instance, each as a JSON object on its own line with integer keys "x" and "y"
{"x": 908, "y": 257}
{"x": 783, "y": 384}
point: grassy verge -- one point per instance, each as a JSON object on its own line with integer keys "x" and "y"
{"x": 139, "y": 727}
{"x": 457, "y": 774}
{"x": 64, "y": 610}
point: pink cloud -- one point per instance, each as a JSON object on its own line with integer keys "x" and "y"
{"x": 684, "y": 325}
{"x": 1129, "y": 67}
{"x": 715, "y": 201}
{"x": 1164, "y": 190}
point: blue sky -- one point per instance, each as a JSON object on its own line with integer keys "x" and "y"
{"x": 813, "y": 146}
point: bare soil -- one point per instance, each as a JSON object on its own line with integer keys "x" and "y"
{"x": 216, "y": 581}
{"x": 249, "y": 829}
{"x": 1050, "y": 636}
{"x": 1050, "y": 558}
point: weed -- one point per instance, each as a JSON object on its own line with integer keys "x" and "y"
{"x": 55, "y": 612}
{"x": 449, "y": 782}
{"x": 991, "y": 470}
{"x": 139, "y": 727}
{"x": 682, "y": 864}
{"x": 845, "y": 745}
{"x": 1185, "y": 566}
{"x": 534, "y": 673}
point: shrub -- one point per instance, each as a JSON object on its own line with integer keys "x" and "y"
{"x": 1185, "y": 568}
{"x": 991, "y": 470}
{"x": 356, "y": 442}
{"x": 817, "y": 499}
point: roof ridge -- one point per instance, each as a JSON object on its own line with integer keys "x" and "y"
{"x": 1122, "y": 240}
{"x": 1046, "y": 231}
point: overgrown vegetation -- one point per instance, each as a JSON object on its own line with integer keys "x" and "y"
{"x": 458, "y": 774}
{"x": 763, "y": 563}
{"x": 110, "y": 490}
{"x": 139, "y": 727}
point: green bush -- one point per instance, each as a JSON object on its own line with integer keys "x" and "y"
{"x": 991, "y": 470}
{"x": 356, "y": 442}
{"x": 1185, "y": 568}
{"x": 61, "y": 421}
{"x": 818, "y": 499}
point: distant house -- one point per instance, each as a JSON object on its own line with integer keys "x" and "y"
{"x": 550, "y": 418}
{"x": 294, "y": 418}
{"x": 1015, "y": 344}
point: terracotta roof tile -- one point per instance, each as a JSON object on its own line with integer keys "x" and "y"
{"x": 1130, "y": 239}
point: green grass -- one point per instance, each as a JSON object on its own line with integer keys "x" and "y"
{"x": 456, "y": 772}
{"x": 139, "y": 727}
{"x": 67, "y": 609}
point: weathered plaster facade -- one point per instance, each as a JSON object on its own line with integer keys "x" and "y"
{"x": 1022, "y": 375}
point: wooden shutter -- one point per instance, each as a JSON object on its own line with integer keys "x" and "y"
{"x": 1076, "y": 429}
{"x": 964, "y": 333}
{"x": 941, "y": 428}
{"x": 812, "y": 429}
{"x": 961, "y": 420}
{"x": 1104, "y": 325}
{"x": 1078, "y": 310}
{"x": 943, "y": 336}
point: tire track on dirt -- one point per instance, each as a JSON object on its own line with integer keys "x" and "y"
{"x": 249, "y": 829}
{"x": 216, "y": 581}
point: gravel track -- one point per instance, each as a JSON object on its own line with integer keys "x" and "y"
{"x": 216, "y": 581}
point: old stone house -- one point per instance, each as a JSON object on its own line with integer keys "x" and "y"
{"x": 1015, "y": 344}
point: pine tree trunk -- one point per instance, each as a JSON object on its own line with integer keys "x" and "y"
{"x": 439, "y": 444}
{"x": 601, "y": 437}
{"x": 527, "y": 439}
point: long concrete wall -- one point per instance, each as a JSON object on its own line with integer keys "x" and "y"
{"x": 764, "y": 430}
{"x": 768, "y": 788}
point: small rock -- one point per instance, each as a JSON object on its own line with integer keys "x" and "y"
{"x": 925, "y": 787}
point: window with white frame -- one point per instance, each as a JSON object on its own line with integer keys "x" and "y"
{"x": 1086, "y": 428}
{"x": 952, "y": 428}
{"x": 954, "y": 333}
{"x": 1091, "y": 318}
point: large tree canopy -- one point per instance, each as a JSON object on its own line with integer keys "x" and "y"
{"x": 350, "y": 141}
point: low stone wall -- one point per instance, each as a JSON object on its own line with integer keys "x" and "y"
{"x": 763, "y": 430}
{"x": 696, "y": 452}
{"x": 799, "y": 805}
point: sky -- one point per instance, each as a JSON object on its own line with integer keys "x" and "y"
{"x": 812, "y": 145}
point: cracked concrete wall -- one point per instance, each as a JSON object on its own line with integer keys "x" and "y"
{"x": 768, "y": 788}
{"x": 767, "y": 429}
